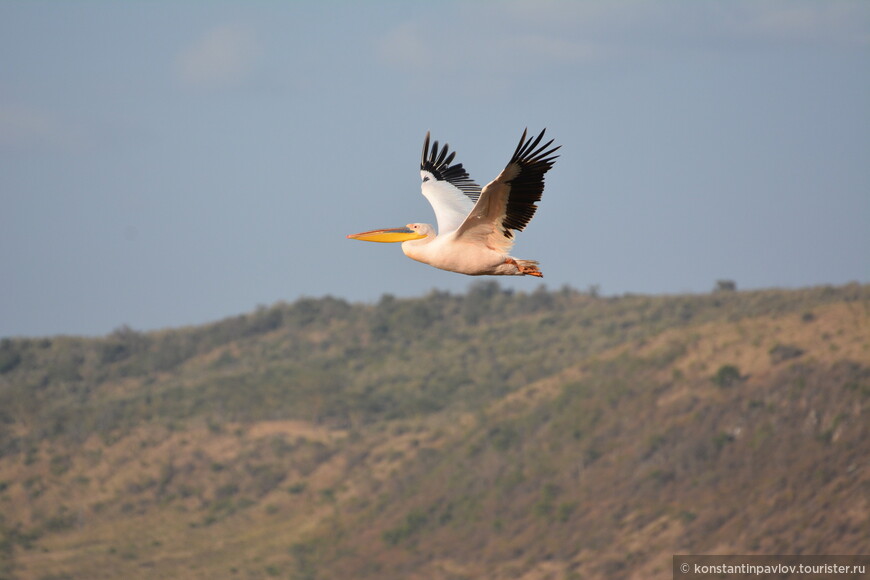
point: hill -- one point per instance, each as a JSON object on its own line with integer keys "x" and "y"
{"x": 493, "y": 434}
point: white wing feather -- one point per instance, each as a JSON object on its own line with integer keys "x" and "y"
{"x": 451, "y": 205}
{"x": 447, "y": 186}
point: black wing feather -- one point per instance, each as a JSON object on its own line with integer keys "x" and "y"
{"x": 532, "y": 162}
{"x": 437, "y": 162}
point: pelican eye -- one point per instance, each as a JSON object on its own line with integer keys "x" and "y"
{"x": 425, "y": 179}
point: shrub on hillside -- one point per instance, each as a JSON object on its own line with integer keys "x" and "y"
{"x": 727, "y": 376}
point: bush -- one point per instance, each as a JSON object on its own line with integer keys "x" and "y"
{"x": 783, "y": 352}
{"x": 727, "y": 376}
{"x": 725, "y": 286}
{"x": 414, "y": 521}
{"x": 9, "y": 359}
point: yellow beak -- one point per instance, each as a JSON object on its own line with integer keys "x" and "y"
{"x": 387, "y": 236}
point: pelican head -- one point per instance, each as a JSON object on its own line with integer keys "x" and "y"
{"x": 405, "y": 234}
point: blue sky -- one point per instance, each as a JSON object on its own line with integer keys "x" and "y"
{"x": 166, "y": 164}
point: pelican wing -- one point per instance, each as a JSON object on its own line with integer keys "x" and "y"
{"x": 508, "y": 202}
{"x": 449, "y": 189}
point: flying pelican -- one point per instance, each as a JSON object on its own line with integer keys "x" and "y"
{"x": 474, "y": 225}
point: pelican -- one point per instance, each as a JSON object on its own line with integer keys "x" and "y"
{"x": 474, "y": 226}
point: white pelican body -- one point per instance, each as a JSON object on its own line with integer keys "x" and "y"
{"x": 454, "y": 253}
{"x": 474, "y": 226}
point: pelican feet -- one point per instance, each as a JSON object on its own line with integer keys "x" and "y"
{"x": 525, "y": 267}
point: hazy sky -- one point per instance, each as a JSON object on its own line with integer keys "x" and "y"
{"x": 165, "y": 164}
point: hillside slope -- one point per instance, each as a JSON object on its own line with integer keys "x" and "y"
{"x": 499, "y": 435}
